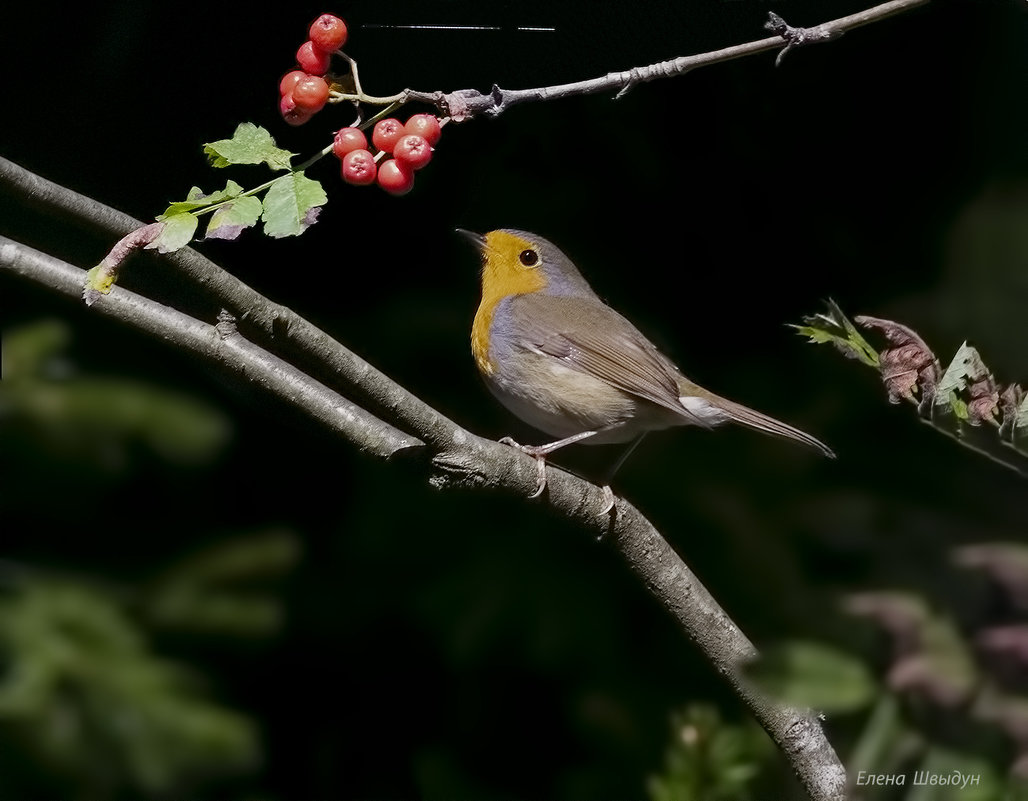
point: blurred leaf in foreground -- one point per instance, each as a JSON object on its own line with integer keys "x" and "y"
{"x": 97, "y": 420}
{"x": 709, "y": 759}
{"x": 88, "y": 701}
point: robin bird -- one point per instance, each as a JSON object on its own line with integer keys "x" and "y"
{"x": 567, "y": 364}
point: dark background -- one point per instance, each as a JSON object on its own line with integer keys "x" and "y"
{"x": 470, "y": 646}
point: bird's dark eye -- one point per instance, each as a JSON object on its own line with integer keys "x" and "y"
{"x": 529, "y": 258}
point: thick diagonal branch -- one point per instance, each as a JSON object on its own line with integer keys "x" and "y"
{"x": 222, "y": 346}
{"x": 273, "y": 322}
{"x": 459, "y": 459}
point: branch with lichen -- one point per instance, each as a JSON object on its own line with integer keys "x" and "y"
{"x": 963, "y": 401}
{"x": 389, "y": 422}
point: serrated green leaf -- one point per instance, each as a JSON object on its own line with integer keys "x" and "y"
{"x": 230, "y": 220}
{"x": 816, "y": 335}
{"x": 956, "y": 375}
{"x": 814, "y": 675}
{"x": 177, "y": 232}
{"x": 250, "y": 144}
{"x": 193, "y": 201}
{"x": 196, "y": 199}
{"x": 231, "y": 190}
{"x": 835, "y": 328}
{"x": 291, "y": 205}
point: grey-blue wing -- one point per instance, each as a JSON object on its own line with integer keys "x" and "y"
{"x": 596, "y": 340}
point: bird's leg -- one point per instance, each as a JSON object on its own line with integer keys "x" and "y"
{"x": 540, "y": 463}
{"x": 540, "y": 452}
{"x": 608, "y": 493}
{"x": 623, "y": 458}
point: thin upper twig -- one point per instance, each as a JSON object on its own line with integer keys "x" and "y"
{"x": 465, "y": 104}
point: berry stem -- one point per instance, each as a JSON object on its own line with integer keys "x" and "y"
{"x": 328, "y": 148}
{"x": 359, "y": 96}
{"x": 393, "y": 106}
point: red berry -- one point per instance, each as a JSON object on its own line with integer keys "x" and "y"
{"x": 348, "y": 140}
{"x": 285, "y": 86}
{"x": 425, "y": 125}
{"x": 395, "y": 177}
{"x": 386, "y": 134}
{"x": 414, "y": 150}
{"x": 291, "y": 113}
{"x": 312, "y": 60}
{"x": 328, "y": 33}
{"x": 310, "y": 93}
{"x": 359, "y": 168}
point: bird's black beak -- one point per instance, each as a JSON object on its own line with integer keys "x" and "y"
{"x": 475, "y": 239}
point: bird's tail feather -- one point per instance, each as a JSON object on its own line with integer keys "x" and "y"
{"x": 751, "y": 418}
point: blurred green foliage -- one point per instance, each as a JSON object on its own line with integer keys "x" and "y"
{"x": 950, "y": 697}
{"x": 709, "y": 759}
{"x": 89, "y": 708}
{"x": 96, "y": 422}
{"x": 224, "y": 590}
{"x": 86, "y": 703}
{"x": 814, "y": 676}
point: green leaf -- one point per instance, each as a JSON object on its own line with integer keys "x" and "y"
{"x": 959, "y": 370}
{"x": 181, "y": 207}
{"x": 230, "y": 220}
{"x": 177, "y": 233}
{"x": 836, "y": 329}
{"x": 250, "y": 144}
{"x": 813, "y": 675}
{"x": 196, "y": 199}
{"x": 292, "y": 204}
{"x": 965, "y": 368}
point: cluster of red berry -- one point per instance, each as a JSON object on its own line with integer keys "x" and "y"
{"x": 409, "y": 144}
{"x": 304, "y": 92}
